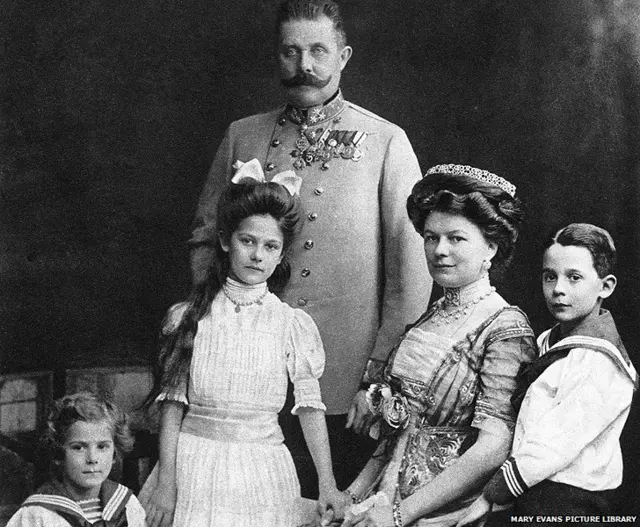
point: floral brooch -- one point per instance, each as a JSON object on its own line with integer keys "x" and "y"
{"x": 390, "y": 410}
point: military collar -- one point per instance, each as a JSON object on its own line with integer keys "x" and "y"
{"x": 53, "y": 496}
{"x": 315, "y": 114}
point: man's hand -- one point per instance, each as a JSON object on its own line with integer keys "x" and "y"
{"x": 359, "y": 416}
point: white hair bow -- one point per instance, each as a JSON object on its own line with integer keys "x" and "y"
{"x": 252, "y": 170}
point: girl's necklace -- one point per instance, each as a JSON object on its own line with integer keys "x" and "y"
{"x": 239, "y": 304}
{"x": 441, "y": 316}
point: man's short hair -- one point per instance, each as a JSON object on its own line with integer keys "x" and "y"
{"x": 312, "y": 10}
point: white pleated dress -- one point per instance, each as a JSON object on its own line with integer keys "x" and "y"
{"x": 232, "y": 466}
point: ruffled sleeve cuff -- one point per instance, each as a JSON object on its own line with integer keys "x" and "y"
{"x": 171, "y": 395}
{"x": 506, "y": 485}
{"x": 306, "y": 393}
{"x": 177, "y": 393}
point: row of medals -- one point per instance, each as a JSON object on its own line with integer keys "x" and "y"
{"x": 325, "y": 145}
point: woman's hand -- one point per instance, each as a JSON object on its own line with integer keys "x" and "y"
{"x": 478, "y": 510}
{"x": 378, "y": 516}
{"x": 332, "y": 505}
{"x": 359, "y": 416}
{"x": 160, "y": 506}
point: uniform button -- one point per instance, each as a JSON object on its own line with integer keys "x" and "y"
{"x": 324, "y": 166}
{"x": 275, "y": 143}
{"x": 305, "y": 272}
{"x": 318, "y": 191}
{"x": 270, "y": 167}
{"x": 313, "y": 216}
{"x": 302, "y": 302}
{"x": 308, "y": 245}
{"x": 282, "y": 120}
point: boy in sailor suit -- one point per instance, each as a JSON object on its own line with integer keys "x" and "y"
{"x": 84, "y": 436}
{"x": 575, "y": 398}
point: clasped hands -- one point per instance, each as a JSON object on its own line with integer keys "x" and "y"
{"x": 379, "y": 516}
{"x": 376, "y": 511}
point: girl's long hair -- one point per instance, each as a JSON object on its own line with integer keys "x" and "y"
{"x": 237, "y": 202}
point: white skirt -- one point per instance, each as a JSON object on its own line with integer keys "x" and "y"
{"x": 232, "y": 484}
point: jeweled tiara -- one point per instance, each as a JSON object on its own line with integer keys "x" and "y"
{"x": 476, "y": 173}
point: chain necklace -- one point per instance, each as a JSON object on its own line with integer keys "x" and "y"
{"x": 441, "y": 316}
{"x": 238, "y": 303}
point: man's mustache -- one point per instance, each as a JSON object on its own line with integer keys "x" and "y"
{"x": 305, "y": 79}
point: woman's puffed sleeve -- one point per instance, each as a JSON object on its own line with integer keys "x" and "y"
{"x": 305, "y": 362}
{"x": 177, "y": 391}
{"x": 505, "y": 351}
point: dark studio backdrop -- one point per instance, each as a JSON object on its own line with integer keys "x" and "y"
{"x": 110, "y": 113}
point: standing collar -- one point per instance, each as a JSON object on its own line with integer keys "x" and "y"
{"x": 460, "y": 296}
{"x": 316, "y": 114}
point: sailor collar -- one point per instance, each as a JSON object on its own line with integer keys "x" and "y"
{"x": 600, "y": 334}
{"x": 53, "y": 496}
{"x": 315, "y": 114}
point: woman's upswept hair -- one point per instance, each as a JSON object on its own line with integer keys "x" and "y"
{"x": 494, "y": 211}
{"x": 237, "y": 203}
{"x": 595, "y": 239}
{"x": 90, "y": 408}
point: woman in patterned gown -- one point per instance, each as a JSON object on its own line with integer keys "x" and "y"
{"x": 442, "y": 400}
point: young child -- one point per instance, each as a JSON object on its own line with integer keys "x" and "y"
{"x": 566, "y": 457}
{"x": 84, "y": 436}
{"x": 225, "y": 361}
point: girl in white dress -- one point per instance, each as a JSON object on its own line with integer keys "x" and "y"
{"x": 225, "y": 360}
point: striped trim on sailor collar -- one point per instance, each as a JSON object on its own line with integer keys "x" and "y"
{"x": 115, "y": 503}
{"x": 117, "y": 500}
{"x": 53, "y": 501}
{"x": 597, "y": 344}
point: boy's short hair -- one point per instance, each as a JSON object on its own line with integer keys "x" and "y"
{"x": 88, "y": 407}
{"x": 595, "y": 239}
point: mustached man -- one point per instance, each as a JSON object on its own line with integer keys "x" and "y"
{"x": 358, "y": 268}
